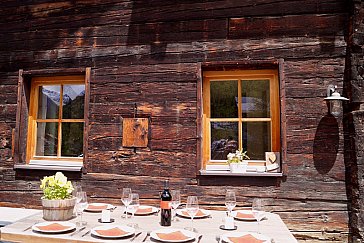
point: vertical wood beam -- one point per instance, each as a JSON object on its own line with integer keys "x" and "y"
{"x": 86, "y": 164}
{"x": 16, "y": 145}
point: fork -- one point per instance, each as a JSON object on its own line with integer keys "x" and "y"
{"x": 146, "y": 237}
{"x": 78, "y": 231}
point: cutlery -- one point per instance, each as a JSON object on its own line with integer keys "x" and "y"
{"x": 135, "y": 236}
{"x": 199, "y": 238}
{"x": 146, "y": 237}
{"x": 78, "y": 231}
{"x": 86, "y": 233}
{"x": 27, "y": 228}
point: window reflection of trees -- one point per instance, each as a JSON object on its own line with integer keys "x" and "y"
{"x": 224, "y": 139}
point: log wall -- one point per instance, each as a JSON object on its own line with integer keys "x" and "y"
{"x": 147, "y": 54}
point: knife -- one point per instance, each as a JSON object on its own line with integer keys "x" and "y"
{"x": 28, "y": 228}
{"x": 86, "y": 233}
{"x": 135, "y": 236}
{"x": 77, "y": 231}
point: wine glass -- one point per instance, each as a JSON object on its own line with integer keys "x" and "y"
{"x": 133, "y": 205}
{"x": 230, "y": 201}
{"x": 257, "y": 210}
{"x": 81, "y": 205}
{"x": 125, "y": 198}
{"x": 176, "y": 201}
{"x": 192, "y": 209}
{"x": 76, "y": 189}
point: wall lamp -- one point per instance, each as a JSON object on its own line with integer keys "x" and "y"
{"x": 334, "y": 100}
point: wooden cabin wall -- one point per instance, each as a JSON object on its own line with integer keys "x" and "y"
{"x": 146, "y": 54}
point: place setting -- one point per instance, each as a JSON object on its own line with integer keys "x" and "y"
{"x": 144, "y": 210}
{"x": 173, "y": 235}
{"x": 201, "y": 213}
{"x": 192, "y": 210}
{"x": 244, "y": 237}
{"x": 112, "y": 231}
{"x": 98, "y": 207}
{"x": 56, "y": 227}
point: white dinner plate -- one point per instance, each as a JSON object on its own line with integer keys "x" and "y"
{"x": 190, "y": 235}
{"x": 130, "y": 231}
{"x": 70, "y": 226}
{"x": 153, "y": 210}
{"x": 249, "y": 215}
{"x": 183, "y": 213}
{"x": 108, "y": 206}
{"x": 225, "y": 237}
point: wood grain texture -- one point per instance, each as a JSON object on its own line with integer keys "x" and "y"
{"x": 152, "y": 55}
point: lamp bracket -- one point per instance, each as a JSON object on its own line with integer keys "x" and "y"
{"x": 331, "y": 89}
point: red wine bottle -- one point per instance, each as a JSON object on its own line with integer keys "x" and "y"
{"x": 166, "y": 198}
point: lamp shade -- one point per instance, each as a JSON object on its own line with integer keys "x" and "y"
{"x": 335, "y": 100}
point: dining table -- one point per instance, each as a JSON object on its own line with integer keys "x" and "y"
{"x": 208, "y": 229}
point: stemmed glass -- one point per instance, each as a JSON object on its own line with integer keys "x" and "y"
{"x": 257, "y": 210}
{"x": 81, "y": 205}
{"x": 192, "y": 209}
{"x": 76, "y": 189}
{"x": 125, "y": 198}
{"x": 176, "y": 201}
{"x": 133, "y": 205}
{"x": 230, "y": 201}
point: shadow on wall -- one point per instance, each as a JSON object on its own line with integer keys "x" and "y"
{"x": 326, "y": 144}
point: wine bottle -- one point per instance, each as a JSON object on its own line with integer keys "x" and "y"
{"x": 166, "y": 199}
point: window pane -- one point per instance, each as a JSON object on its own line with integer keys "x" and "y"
{"x": 47, "y": 139}
{"x": 224, "y": 139}
{"x": 48, "y": 102}
{"x": 256, "y": 139}
{"x": 223, "y": 96}
{"x": 73, "y": 101}
{"x": 255, "y": 98}
{"x": 72, "y": 139}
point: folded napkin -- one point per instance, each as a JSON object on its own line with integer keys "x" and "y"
{"x": 96, "y": 207}
{"x": 245, "y": 239}
{"x": 144, "y": 210}
{"x": 244, "y": 215}
{"x": 198, "y": 214}
{"x": 177, "y": 235}
{"x": 53, "y": 227}
{"x": 112, "y": 232}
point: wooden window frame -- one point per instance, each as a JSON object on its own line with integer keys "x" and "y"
{"x": 36, "y": 82}
{"x": 272, "y": 75}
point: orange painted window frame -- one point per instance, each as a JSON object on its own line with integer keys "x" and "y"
{"x": 267, "y": 74}
{"x": 36, "y": 82}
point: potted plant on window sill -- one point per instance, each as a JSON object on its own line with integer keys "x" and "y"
{"x": 57, "y": 201}
{"x": 237, "y": 162}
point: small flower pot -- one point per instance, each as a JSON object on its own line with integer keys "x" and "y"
{"x": 58, "y": 210}
{"x": 238, "y": 167}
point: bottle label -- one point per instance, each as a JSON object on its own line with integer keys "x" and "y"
{"x": 165, "y": 205}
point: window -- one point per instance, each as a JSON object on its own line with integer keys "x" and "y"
{"x": 241, "y": 110}
{"x": 56, "y": 119}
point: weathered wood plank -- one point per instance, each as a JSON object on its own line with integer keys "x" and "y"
{"x": 298, "y": 25}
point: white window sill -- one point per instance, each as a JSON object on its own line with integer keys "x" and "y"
{"x": 228, "y": 173}
{"x": 50, "y": 165}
